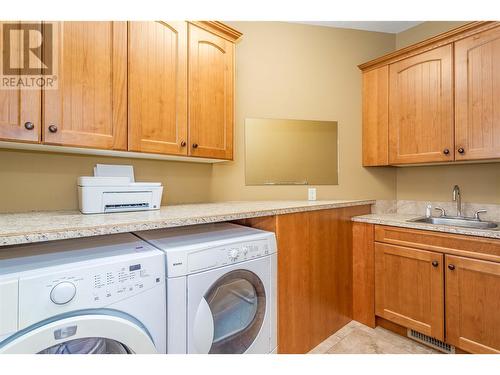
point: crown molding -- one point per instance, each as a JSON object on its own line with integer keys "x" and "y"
{"x": 439, "y": 40}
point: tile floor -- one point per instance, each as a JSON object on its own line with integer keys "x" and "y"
{"x": 356, "y": 338}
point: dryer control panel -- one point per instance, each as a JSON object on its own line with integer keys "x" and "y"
{"x": 180, "y": 263}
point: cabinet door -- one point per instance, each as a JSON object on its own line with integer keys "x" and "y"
{"x": 473, "y": 304}
{"x": 20, "y": 110}
{"x": 157, "y": 76}
{"x": 409, "y": 288}
{"x": 477, "y": 96}
{"x": 421, "y": 108}
{"x": 211, "y": 70}
{"x": 375, "y": 116}
{"x": 89, "y": 108}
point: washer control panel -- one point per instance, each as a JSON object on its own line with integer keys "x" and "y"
{"x": 83, "y": 287}
{"x": 120, "y": 282}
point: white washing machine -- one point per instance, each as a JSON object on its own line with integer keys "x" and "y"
{"x": 221, "y": 288}
{"x": 93, "y": 295}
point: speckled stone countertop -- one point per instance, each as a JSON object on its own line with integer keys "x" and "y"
{"x": 400, "y": 220}
{"x": 20, "y": 228}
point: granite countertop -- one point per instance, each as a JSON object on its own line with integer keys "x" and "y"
{"x": 21, "y": 228}
{"x": 401, "y": 220}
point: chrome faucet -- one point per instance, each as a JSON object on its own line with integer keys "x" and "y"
{"x": 457, "y": 198}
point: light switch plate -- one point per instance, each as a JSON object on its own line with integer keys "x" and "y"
{"x": 311, "y": 194}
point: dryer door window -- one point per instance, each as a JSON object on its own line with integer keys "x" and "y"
{"x": 237, "y": 302}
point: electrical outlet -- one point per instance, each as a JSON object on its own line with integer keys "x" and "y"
{"x": 311, "y": 194}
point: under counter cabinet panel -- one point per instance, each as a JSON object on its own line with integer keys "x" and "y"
{"x": 211, "y": 94}
{"x": 315, "y": 291}
{"x": 20, "y": 110}
{"x": 157, "y": 82}
{"x": 477, "y": 96}
{"x": 421, "y": 108}
{"x": 409, "y": 288}
{"x": 89, "y": 108}
{"x": 473, "y": 304}
{"x": 375, "y": 116}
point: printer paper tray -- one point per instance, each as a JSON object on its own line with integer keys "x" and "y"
{"x": 126, "y": 201}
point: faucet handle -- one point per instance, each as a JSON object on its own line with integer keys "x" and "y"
{"x": 476, "y": 215}
{"x": 443, "y": 211}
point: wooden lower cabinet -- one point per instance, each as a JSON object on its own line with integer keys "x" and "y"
{"x": 409, "y": 288}
{"x": 314, "y": 274}
{"x": 443, "y": 285}
{"x": 473, "y": 304}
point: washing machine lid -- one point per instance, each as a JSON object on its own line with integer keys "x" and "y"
{"x": 101, "y": 331}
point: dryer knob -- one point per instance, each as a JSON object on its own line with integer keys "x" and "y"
{"x": 63, "y": 292}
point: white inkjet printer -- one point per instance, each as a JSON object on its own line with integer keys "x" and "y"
{"x": 113, "y": 189}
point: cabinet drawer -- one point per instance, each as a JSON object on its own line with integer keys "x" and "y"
{"x": 455, "y": 244}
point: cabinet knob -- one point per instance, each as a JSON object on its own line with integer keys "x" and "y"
{"x": 183, "y": 143}
{"x": 52, "y": 128}
{"x": 435, "y": 263}
{"x": 195, "y": 145}
{"x": 29, "y": 125}
{"x": 451, "y": 267}
{"x": 461, "y": 150}
{"x": 446, "y": 151}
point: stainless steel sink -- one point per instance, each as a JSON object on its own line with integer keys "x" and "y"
{"x": 457, "y": 222}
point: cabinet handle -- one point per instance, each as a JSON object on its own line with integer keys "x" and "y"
{"x": 183, "y": 143}
{"x": 52, "y": 128}
{"x": 195, "y": 145}
{"x": 461, "y": 150}
{"x": 435, "y": 263}
{"x": 29, "y": 125}
{"x": 446, "y": 151}
{"x": 451, "y": 267}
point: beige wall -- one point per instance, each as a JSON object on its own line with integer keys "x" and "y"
{"x": 296, "y": 71}
{"x": 425, "y": 30}
{"x": 479, "y": 182}
{"x": 31, "y": 181}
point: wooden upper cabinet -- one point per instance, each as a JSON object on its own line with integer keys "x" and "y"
{"x": 89, "y": 108}
{"x": 20, "y": 110}
{"x": 211, "y": 94}
{"x": 477, "y": 96}
{"x": 473, "y": 304}
{"x": 409, "y": 288}
{"x": 375, "y": 116}
{"x": 157, "y": 81}
{"x": 421, "y": 108}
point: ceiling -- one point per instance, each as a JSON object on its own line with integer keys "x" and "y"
{"x": 381, "y": 26}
